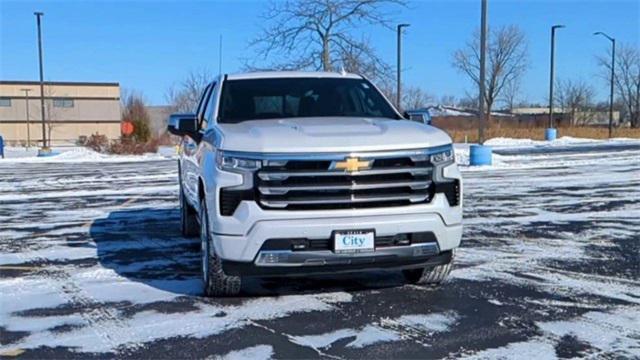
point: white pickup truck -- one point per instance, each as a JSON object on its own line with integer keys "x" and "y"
{"x": 298, "y": 173}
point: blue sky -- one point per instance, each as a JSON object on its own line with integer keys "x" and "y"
{"x": 148, "y": 45}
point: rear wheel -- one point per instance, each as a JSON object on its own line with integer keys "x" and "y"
{"x": 430, "y": 275}
{"x": 216, "y": 282}
{"x": 188, "y": 217}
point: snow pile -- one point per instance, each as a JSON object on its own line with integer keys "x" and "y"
{"x": 502, "y": 142}
{"x": 73, "y": 154}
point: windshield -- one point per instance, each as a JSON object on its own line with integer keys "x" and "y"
{"x": 300, "y": 97}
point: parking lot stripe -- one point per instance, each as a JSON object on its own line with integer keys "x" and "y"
{"x": 9, "y": 267}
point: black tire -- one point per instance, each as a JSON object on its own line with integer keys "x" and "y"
{"x": 430, "y": 275}
{"x": 188, "y": 218}
{"x": 216, "y": 282}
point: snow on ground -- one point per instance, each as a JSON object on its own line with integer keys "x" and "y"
{"x": 92, "y": 264}
{"x": 75, "y": 154}
{"x": 509, "y": 152}
{"x": 259, "y": 352}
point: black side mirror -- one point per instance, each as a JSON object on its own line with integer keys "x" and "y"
{"x": 421, "y": 117}
{"x": 184, "y": 125}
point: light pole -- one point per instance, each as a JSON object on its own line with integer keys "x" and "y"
{"x": 483, "y": 55}
{"x": 44, "y": 136}
{"x": 479, "y": 154}
{"x": 550, "y": 135}
{"x": 613, "y": 64}
{"x": 399, "y": 80}
{"x": 26, "y": 97}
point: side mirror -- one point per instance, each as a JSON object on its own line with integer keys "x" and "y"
{"x": 184, "y": 124}
{"x": 421, "y": 117}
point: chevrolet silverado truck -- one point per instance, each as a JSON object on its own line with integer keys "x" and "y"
{"x": 299, "y": 173}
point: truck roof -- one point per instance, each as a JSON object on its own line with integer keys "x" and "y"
{"x": 291, "y": 74}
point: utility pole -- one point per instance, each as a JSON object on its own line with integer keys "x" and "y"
{"x": 399, "y": 80}
{"x": 483, "y": 55}
{"x": 551, "y": 72}
{"x": 44, "y": 133}
{"x": 613, "y": 74}
{"x": 26, "y": 97}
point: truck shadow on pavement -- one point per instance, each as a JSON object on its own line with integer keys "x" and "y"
{"x": 145, "y": 245}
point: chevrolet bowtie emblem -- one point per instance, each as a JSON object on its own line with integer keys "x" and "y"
{"x": 351, "y": 164}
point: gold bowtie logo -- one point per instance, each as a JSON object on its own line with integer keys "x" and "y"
{"x": 351, "y": 165}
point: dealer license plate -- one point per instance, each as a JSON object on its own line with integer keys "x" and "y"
{"x": 353, "y": 241}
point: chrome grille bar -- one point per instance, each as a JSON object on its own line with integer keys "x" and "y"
{"x": 354, "y": 185}
{"x": 282, "y": 175}
{"x": 344, "y": 199}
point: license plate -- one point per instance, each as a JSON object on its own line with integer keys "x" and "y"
{"x": 353, "y": 241}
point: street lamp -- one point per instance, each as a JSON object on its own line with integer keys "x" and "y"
{"x": 45, "y": 150}
{"x": 483, "y": 55}
{"x": 26, "y": 97}
{"x": 479, "y": 154}
{"x": 613, "y": 64}
{"x": 399, "y": 90}
{"x": 551, "y": 133}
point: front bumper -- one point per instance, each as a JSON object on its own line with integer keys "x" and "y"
{"x": 389, "y": 261}
{"x": 246, "y": 248}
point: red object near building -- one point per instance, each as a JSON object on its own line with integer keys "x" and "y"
{"x": 126, "y": 128}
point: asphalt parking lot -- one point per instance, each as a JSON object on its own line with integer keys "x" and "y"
{"x": 92, "y": 265}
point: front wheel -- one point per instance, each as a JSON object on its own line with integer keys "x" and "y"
{"x": 216, "y": 282}
{"x": 431, "y": 275}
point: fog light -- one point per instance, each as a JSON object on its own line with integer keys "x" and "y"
{"x": 273, "y": 257}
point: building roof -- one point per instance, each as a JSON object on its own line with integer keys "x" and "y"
{"x": 59, "y": 83}
{"x": 442, "y": 110}
{"x": 291, "y": 74}
{"x": 534, "y": 110}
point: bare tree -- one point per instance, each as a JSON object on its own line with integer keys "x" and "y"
{"x": 507, "y": 61}
{"x": 510, "y": 94}
{"x": 626, "y": 80}
{"x": 50, "y": 111}
{"x": 448, "y": 100}
{"x": 318, "y": 35}
{"x": 575, "y": 98}
{"x": 414, "y": 97}
{"x": 469, "y": 102}
{"x": 184, "y": 96}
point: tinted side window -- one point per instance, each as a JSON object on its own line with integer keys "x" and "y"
{"x": 210, "y": 107}
{"x": 202, "y": 113}
{"x": 203, "y": 98}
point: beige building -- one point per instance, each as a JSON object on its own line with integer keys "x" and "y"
{"x": 72, "y": 110}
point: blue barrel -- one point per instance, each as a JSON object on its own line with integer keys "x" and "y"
{"x": 480, "y": 155}
{"x": 550, "y": 134}
{"x": 1, "y": 146}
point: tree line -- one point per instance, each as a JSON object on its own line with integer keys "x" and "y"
{"x": 326, "y": 35}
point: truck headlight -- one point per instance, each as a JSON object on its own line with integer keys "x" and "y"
{"x": 443, "y": 157}
{"x": 236, "y": 164}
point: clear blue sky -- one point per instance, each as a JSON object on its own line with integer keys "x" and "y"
{"x": 148, "y": 45}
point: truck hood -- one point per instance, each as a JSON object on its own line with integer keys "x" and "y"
{"x": 328, "y": 134}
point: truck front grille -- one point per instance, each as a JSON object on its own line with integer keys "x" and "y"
{"x": 316, "y": 184}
